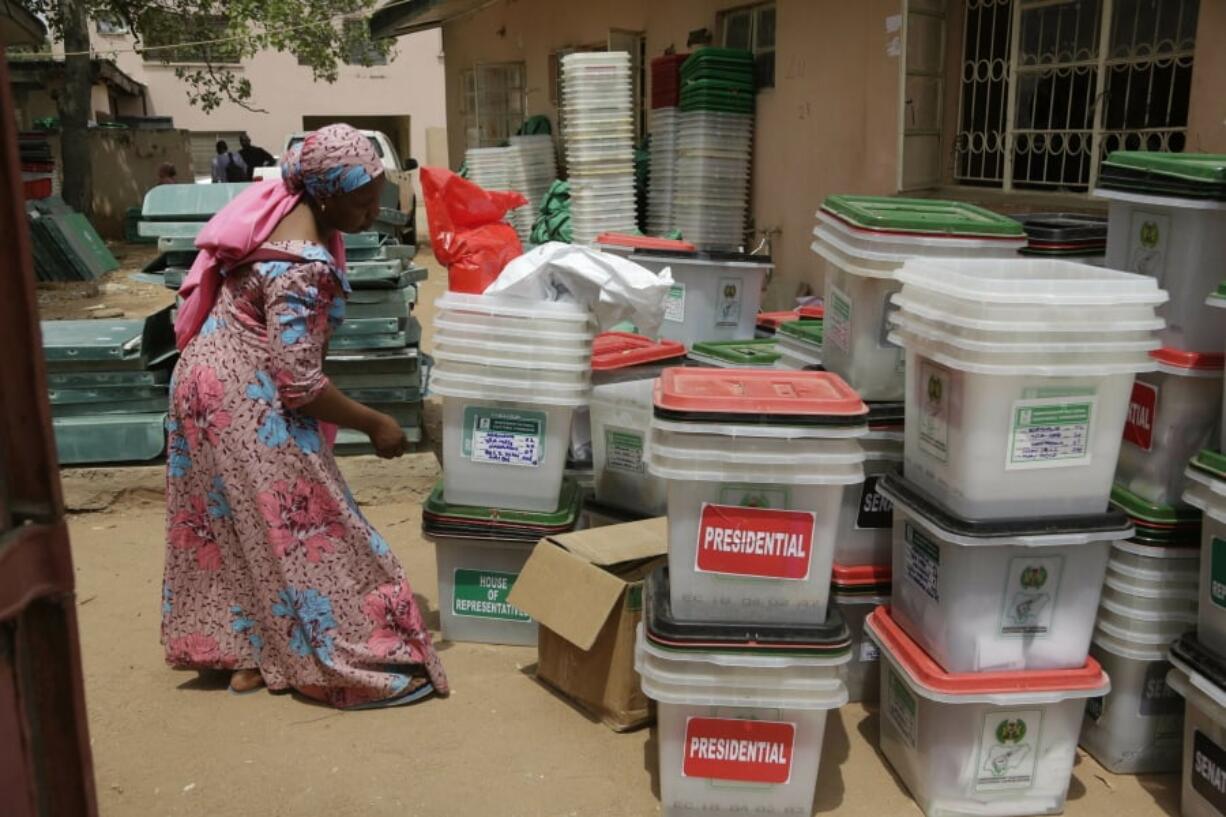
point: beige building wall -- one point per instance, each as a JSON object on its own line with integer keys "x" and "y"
{"x": 284, "y": 92}
{"x": 829, "y": 125}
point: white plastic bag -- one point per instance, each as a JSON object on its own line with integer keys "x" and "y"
{"x": 614, "y": 288}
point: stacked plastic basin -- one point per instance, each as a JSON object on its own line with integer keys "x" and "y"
{"x": 108, "y": 387}
{"x": 1199, "y": 675}
{"x": 714, "y": 148}
{"x": 532, "y": 170}
{"x": 480, "y": 552}
{"x": 1018, "y": 376}
{"x": 1174, "y": 413}
{"x": 739, "y": 646}
{"x": 490, "y": 167}
{"x": 661, "y": 178}
{"x": 599, "y": 129}
{"x": 864, "y": 240}
{"x": 1199, "y": 661}
{"x": 665, "y": 97}
{"x": 1149, "y": 599}
{"x": 511, "y": 373}
{"x": 1166, "y": 219}
{"x": 624, "y": 369}
{"x": 715, "y": 295}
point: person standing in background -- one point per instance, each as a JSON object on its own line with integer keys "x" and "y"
{"x": 228, "y": 167}
{"x": 253, "y": 156}
{"x": 167, "y": 174}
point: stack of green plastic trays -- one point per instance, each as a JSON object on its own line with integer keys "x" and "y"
{"x": 718, "y": 79}
{"x": 108, "y": 387}
{"x": 374, "y": 355}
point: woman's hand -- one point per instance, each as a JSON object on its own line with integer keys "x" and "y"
{"x": 387, "y": 437}
{"x": 384, "y": 432}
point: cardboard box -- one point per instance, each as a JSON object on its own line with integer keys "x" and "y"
{"x": 585, "y": 590}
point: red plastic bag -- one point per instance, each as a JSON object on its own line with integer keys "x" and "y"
{"x": 467, "y": 231}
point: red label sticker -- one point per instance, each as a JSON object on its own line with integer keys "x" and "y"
{"x": 760, "y": 542}
{"x": 1142, "y": 411}
{"x": 745, "y": 751}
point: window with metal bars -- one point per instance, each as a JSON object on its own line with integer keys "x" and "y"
{"x": 492, "y": 103}
{"x": 1050, "y": 87}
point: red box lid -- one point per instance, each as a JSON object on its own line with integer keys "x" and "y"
{"x": 757, "y": 392}
{"x": 644, "y": 242}
{"x": 1189, "y": 360}
{"x": 926, "y": 672}
{"x": 862, "y": 575}
{"x": 620, "y": 350}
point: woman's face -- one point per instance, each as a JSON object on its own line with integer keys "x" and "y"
{"x": 357, "y": 210}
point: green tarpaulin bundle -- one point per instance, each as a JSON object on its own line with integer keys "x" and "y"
{"x": 553, "y": 222}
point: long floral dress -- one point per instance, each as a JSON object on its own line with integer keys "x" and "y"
{"x": 269, "y": 562}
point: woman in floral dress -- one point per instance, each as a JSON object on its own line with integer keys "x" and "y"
{"x": 272, "y": 572}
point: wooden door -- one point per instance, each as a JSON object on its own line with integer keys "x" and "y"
{"x": 45, "y": 764}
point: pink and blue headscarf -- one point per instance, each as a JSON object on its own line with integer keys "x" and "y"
{"x": 330, "y": 161}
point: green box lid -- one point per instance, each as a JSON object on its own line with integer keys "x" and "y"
{"x": 351, "y": 443}
{"x": 150, "y": 405}
{"x": 72, "y": 395}
{"x": 562, "y": 518}
{"x": 170, "y": 229}
{"x": 189, "y": 202}
{"x": 1169, "y": 538}
{"x": 114, "y": 438}
{"x": 717, "y": 104}
{"x": 809, "y": 330}
{"x": 393, "y": 340}
{"x": 1166, "y": 516}
{"x": 737, "y": 56}
{"x": 719, "y": 82}
{"x": 760, "y": 352}
{"x": 367, "y": 326}
{"x": 922, "y": 215}
{"x": 1210, "y": 462}
{"x": 355, "y": 241}
{"x": 391, "y": 362}
{"x": 1204, "y": 167}
{"x": 92, "y": 340}
{"x": 398, "y": 393}
{"x": 104, "y": 379}
{"x": 1218, "y": 296}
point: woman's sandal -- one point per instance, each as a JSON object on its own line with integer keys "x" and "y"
{"x": 411, "y": 695}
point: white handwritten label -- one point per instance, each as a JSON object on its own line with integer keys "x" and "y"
{"x": 502, "y": 437}
{"x": 1050, "y": 432}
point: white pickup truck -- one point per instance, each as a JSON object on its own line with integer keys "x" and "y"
{"x": 397, "y": 172}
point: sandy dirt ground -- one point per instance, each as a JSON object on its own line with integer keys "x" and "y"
{"x": 112, "y": 293}
{"x": 174, "y": 744}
